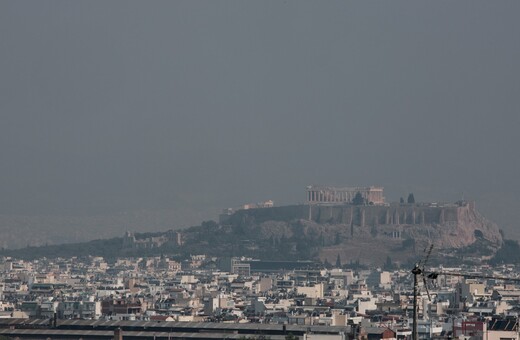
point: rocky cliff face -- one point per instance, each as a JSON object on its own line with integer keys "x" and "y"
{"x": 471, "y": 221}
{"x": 461, "y": 229}
{"x": 371, "y": 233}
{"x": 368, "y": 234}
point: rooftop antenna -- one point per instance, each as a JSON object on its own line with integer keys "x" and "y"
{"x": 434, "y": 275}
{"x": 418, "y": 270}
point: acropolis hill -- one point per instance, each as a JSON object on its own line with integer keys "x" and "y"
{"x": 372, "y": 230}
{"x": 367, "y": 230}
{"x": 447, "y": 225}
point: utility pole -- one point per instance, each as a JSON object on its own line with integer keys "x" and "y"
{"x": 416, "y": 271}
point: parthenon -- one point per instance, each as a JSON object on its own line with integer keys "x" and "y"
{"x": 333, "y": 195}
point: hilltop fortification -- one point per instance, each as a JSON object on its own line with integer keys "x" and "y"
{"x": 367, "y": 233}
{"x": 370, "y": 232}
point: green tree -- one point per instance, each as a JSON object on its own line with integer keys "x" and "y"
{"x": 388, "y": 264}
{"x": 358, "y": 199}
{"x": 327, "y": 264}
{"x": 508, "y": 253}
{"x": 411, "y": 199}
{"x": 338, "y": 262}
{"x": 401, "y": 200}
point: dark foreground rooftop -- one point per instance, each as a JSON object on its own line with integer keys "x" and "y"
{"x": 103, "y": 329}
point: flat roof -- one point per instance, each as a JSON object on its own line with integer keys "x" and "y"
{"x": 110, "y": 325}
{"x": 34, "y": 333}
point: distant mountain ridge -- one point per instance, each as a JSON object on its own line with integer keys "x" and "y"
{"x": 17, "y": 231}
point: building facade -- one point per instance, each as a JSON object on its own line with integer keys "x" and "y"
{"x": 334, "y": 195}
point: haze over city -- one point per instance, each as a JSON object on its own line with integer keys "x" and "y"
{"x": 169, "y": 112}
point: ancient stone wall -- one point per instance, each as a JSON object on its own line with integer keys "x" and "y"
{"x": 395, "y": 214}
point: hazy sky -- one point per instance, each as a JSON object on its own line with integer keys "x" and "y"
{"x": 110, "y": 106}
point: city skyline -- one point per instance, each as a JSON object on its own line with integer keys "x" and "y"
{"x": 169, "y": 112}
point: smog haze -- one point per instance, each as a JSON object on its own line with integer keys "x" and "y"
{"x": 169, "y": 111}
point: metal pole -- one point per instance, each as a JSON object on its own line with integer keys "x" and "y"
{"x": 416, "y": 271}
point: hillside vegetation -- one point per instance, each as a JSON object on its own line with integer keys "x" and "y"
{"x": 353, "y": 233}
